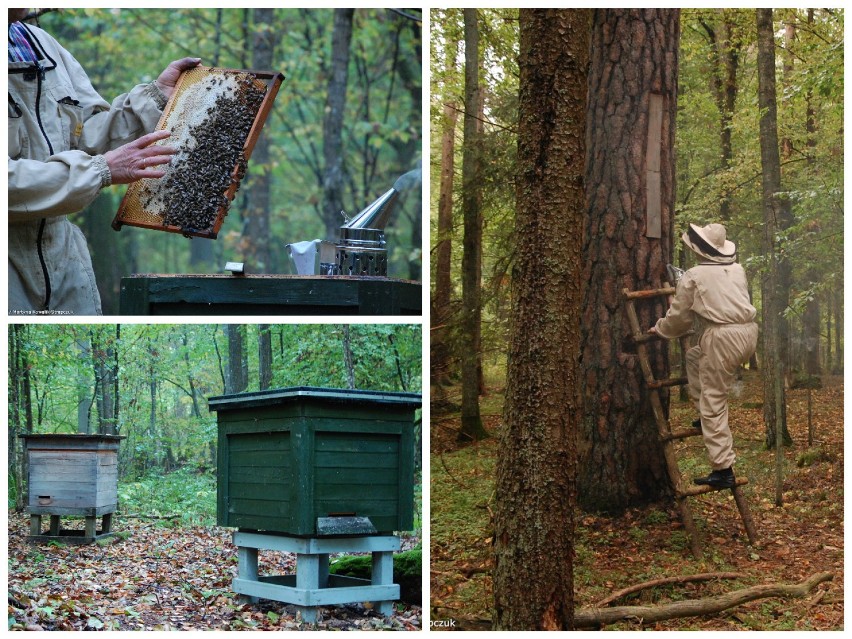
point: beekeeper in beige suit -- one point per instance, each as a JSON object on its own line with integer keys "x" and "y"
{"x": 713, "y": 298}
{"x": 66, "y": 143}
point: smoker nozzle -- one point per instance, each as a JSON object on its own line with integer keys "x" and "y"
{"x": 376, "y": 215}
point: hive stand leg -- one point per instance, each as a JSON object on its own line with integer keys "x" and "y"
{"x": 247, "y": 569}
{"x": 54, "y": 525}
{"x": 745, "y": 514}
{"x": 91, "y": 527}
{"x": 323, "y": 571}
{"x": 107, "y": 523}
{"x": 35, "y": 525}
{"x": 383, "y": 575}
{"x": 307, "y": 578}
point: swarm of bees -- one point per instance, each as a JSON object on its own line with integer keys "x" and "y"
{"x": 211, "y": 159}
{"x": 210, "y": 124}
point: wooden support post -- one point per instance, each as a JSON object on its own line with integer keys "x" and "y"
{"x": 322, "y": 573}
{"x": 54, "y": 525}
{"x": 35, "y": 525}
{"x": 91, "y": 526}
{"x": 745, "y": 514}
{"x": 382, "y": 576}
{"x": 691, "y": 529}
{"x": 247, "y": 569}
{"x": 107, "y": 524}
{"x": 307, "y": 578}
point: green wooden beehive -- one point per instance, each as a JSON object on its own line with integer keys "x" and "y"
{"x": 290, "y": 457}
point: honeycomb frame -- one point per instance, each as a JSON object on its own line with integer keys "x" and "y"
{"x": 202, "y": 95}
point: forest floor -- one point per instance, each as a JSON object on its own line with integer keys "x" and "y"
{"x": 159, "y": 577}
{"x": 802, "y": 537}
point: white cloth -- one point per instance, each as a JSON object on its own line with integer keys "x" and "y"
{"x": 717, "y": 296}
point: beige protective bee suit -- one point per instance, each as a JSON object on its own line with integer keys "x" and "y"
{"x": 715, "y": 293}
{"x": 58, "y": 127}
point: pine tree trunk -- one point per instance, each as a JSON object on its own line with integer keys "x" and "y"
{"x": 774, "y": 300}
{"x": 470, "y": 342}
{"x": 634, "y": 62}
{"x": 535, "y": 500}
{"x": 439, "y": 360}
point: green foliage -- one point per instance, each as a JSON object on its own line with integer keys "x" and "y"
{"x": 11, "y": 490}
{"x": 382, "y": 129}
{"x": 499, "y": 81}
{"x": 166, "y": 373}
{"x": 186, "y": 493}
{"x": 812, "y": 174}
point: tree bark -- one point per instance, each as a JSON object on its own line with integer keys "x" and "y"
{"x": 332, "y": 127}
{"x": 634, "y": 62}
{"x": 535, "y": 499}
{"x": 837, "y": 296}
{"x": 257, "y": 227}
{"x": 593, "y": 617}
{"x": 84, "y": 390}
{"x": 813, "y": 311}
{"x": 441, "y": 311}
{"x": 264, "y": 355}
{"x": 237, "y": 372}
{"x": 726, "y": 56}
{"x": 471, "y": 329}
{"x": 773, "y": 295}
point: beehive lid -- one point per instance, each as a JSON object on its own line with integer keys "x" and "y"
{"x": 73, "y": 440}
{"x": 331, "y": 395}
{"x": 215, "y": 116}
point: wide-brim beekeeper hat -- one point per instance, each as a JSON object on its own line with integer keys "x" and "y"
{"x": 710, "y": 243}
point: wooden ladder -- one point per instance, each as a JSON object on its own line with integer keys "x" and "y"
{"x": 667, "y": 436}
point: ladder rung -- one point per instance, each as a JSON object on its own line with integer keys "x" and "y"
{"x": 683, "y": 434}
{"x": 646, "y": 337}
{"x": 664, "y": 383}
{"x": 654, "y": 292}
{"x": 692, "y": 491}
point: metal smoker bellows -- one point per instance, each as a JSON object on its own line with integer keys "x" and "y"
{"x": 361, "y": 247}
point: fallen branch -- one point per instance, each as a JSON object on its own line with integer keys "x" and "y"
{"x": 593, "y": 617}
{"x": 132, "y": 516}
{"x": 704, "y": 576}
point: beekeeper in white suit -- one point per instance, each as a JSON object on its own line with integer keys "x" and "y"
{"x": 66, "y": 143}
{"x": 713, "y": 298}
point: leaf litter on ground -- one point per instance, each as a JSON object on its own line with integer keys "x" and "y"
{"x": 159, "y": 578}
{"x": 802, "y": 537}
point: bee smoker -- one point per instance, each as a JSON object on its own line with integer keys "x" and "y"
{"x": 360, "y": 248}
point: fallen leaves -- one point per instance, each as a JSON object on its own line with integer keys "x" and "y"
{"x": 159, "y": 578}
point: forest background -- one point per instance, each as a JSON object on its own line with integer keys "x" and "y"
{"x": 344, "y": 127}
{"x": 150, "y": 383}
{"x": 486, "y": 219}
{"x": 717, "y": 153}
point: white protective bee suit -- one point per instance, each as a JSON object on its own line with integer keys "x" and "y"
{"x": 713, "y": 297}
{"x": 58, "y": 127}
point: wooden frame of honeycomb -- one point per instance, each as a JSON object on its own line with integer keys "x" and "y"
{"x": 215, "y": 117}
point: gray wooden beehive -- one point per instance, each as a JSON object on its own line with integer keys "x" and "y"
{"x": 72, "y": 474}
